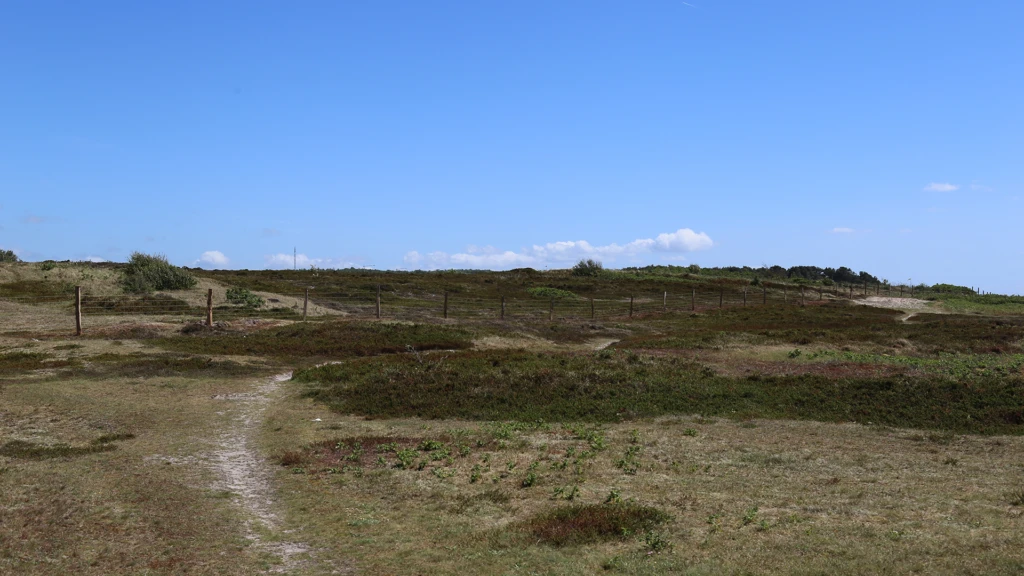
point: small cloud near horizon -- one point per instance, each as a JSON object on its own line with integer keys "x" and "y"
{"x": 212, "y": 258}
{"x": 666, "y": 244}
{"x": 941, "y": 187}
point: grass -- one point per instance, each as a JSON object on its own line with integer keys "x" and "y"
{"x": 610, "y": 388}
{"x": 701, "y": 443}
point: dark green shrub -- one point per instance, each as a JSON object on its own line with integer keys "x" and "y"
{"x": 546, "y": 292}
{"x": 244, "y": 298}
{"x": 588, "y": 267}
{"x": 8, "y": 256}
{"x": 146, "y": 273}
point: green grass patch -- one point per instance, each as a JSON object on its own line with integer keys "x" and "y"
{"x": 548, "y": 293}
{"x": 19, "y": 361}
{"x": 604, "y": 387}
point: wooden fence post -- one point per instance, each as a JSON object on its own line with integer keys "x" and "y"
{"x": 851, "y": 291}
{"x": 744, "y": 295}
{"x": 446, "y": 304}
{"x": 551, "y": 310}
{"x": 785, "y": 294}
{"x": 819, "y": 292}
{"x": 502, "y": 307}
{"x": 305, "y": 305}
{"x": 592, "y": 308}
{"x": 630, "y": 305}
{"x": 78, "y": 310}
{"x": 378, "y": 301}
{"x": 664, "y": 302}
{"x": 693, "y": 300}
{"x": 803, "y": 299}
{"x": 209, "y": 308}
{"x": 721, "y": 297}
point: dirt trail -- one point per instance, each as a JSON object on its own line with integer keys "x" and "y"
{"x": 244, "y": 472}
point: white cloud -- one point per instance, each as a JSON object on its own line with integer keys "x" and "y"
{"x": 941, "y": 187}
{"x": 286, "y": 261}
{"x": 669, "y": 245}
{"x": 94, "y": 259}
{"x": 842, "y": 230}
{"x": 212, "y": 258}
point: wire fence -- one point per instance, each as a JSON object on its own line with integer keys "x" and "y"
{"x": 208, "y": 308}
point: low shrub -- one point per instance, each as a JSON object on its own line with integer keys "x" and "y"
{"x": 146, "y": 273}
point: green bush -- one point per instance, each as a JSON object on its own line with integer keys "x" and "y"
{"x": 546, "y": 292}
{"x": 245, "y": 298}
{"x": 8, "y": 256}
{"x": 146, "y": 273}
{"x": 588, "y": 267}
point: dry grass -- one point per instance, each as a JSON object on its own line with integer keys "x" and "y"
{"x": 762, "y": 496}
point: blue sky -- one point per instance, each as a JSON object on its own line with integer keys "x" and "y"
{"x": 884, "y": 136}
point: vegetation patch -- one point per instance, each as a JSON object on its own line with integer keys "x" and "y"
{"x": 244, "y": 298}
{"x": 322, "y": 340}
{"x": 161, "y": 366}
{"x": 546, "y": 292}
{"x": 148, "y": 273}
{"x": 19, "y": 361}
{"x": 144, "y": 304}
{"x": 605, "y": 387}
{"x": 32, "y": 451}
{"x": 591, "y": 523}
{"x": 36, "y": 289}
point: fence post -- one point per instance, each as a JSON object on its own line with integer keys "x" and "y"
{"x": 764, "y": 294}
{"x": 721, "y": 297}
{"x": 378, "y": 301}
{"x": 744, "y": 295}
{"x": 785, "y": 294}
{"x": 851, "y": 291}
{"x": 819, "y": 292}
{"x": 630, "y": 305}
{"x": 446, "y": 304}
{"x": 693, "y": 300}
{"x": 592, "y": 308}
{"x": 305, "y": 305}
{"x": 803, "y": 299}
{"x": 551, "y": 310}
{"x": 502, "y": 307}
{"x": 209, "y": 308}
{"x": 664, "y": 302}
{"x": 78, "y": 310}
{"x": 901, "y": 291}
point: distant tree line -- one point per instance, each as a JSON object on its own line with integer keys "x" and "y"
{"x": 843, "y": 274}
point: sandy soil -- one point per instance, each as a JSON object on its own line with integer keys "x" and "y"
{"x": 243, "y": 471}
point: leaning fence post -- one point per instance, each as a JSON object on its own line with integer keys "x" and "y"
{"x": 209, "y": 308}
{"x": 502, "y": 307}
{"x": 446, "y": 304}
{"x": 305, "y": 305}
{"x": 378, "y": 301}
{"x": 78, "y": 310}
